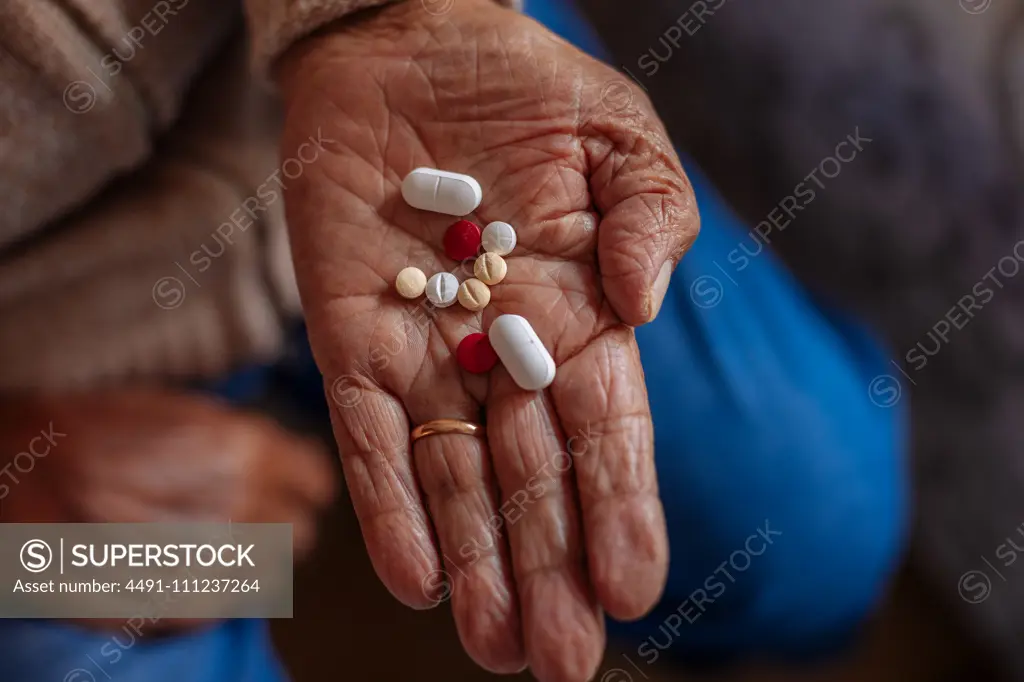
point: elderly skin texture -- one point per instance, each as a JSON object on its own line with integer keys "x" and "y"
{"x": 575, "y": 156}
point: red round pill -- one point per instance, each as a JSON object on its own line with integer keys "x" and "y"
{"x": 475, "y": 354}
{"x": 462, "y": 240}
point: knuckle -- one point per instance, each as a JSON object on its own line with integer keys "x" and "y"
{"x": 447, "y": 470}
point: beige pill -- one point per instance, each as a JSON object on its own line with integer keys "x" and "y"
{"x": 474, "y": 294}
{"x": 410, "y": 282}
{"x": 490, "y": 268}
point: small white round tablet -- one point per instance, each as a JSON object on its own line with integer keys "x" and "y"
{"x": 521, "y": 352}
{"x": 442, "y": 289}
{"x": 499, "y": 238}
{"x": 439, "y": 191}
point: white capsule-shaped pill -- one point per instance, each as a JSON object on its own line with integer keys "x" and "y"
{"x": 521, "y": 352}
{"x": 499, "y": 238}
{"x": 442, "y": 289}
{"x": 439, "y": 191}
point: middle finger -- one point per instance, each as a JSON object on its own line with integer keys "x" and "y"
{"x": 563, "y": 626}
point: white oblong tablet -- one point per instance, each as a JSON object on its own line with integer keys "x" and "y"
{"x": 439, "y": 191}
{"x": 521, "y": 352}
{"x": 498, "y": 238}
{"x": 442, "y": 289}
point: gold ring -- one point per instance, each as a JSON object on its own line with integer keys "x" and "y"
{"x": 438, "y": 426}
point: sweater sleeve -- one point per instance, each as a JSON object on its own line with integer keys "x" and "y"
{"x": 86, "y": 86}
{"x": 179, "y": 271}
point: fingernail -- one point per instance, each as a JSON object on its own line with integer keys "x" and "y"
{"x": 656, "y": 296}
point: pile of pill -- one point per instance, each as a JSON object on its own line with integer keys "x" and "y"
{"x": 463, "y": 241}
{"x": 511, "y": 339}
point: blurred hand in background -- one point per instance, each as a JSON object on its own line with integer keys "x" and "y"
{"x": 141, "y": 456}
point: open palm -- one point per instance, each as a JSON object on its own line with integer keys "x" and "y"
{"x": 555, "y": 515}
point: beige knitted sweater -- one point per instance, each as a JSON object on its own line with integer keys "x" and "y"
{"x": 141, "y": 222}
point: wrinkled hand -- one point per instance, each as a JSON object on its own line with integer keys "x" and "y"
{"x": 136, "y": 456}
{"x": 533, "y": 542}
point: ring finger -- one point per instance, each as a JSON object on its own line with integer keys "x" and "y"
{"x": 455, "y": 474}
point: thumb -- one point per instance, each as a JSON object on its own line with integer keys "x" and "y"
{"x": 648, "y": 211}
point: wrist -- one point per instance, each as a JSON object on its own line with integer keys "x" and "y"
{"x": 284, "y": 31}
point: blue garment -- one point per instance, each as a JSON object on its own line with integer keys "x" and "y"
{"x": 764, "y": 427}
{"x": 44, "y": 651}
{"x": 783, "y": 483}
